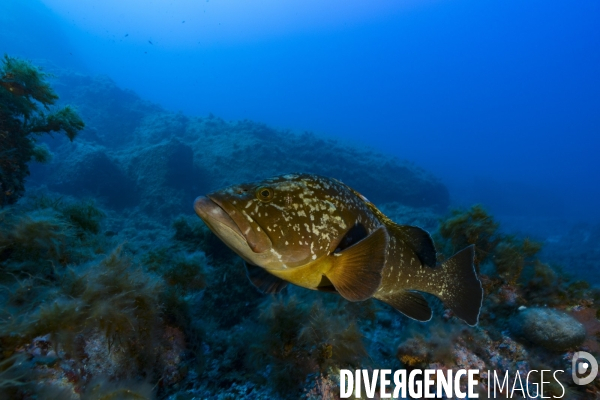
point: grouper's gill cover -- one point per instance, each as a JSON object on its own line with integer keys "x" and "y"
{"x": 320, "y": 234}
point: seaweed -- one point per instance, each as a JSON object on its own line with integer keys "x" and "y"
{"x": 112, "y": 298}
{"x": 35, "y": 242}
{"x": 122, "y": 302}
{"x": 301, "y": 339}
{"x": 195, "y": 235}
{"x": 186, "y": 272}
{"x": 335, "y": 339}
{"x": 85, "y": 216}
{"x": 42, "y": 236}
{"x": 511, "y": 256}
{"x": 228, "y": 288}
{"x": 14, "y": 375}
{"x": 429, "y": 344}
{"x": 23, "y": 90}
{"x": 466, "y": 227}
{"x": 104, "y": 390}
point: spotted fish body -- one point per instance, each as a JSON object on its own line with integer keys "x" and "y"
{"x": 320, "y": 234}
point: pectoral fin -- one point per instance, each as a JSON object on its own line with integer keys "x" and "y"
{"x": 264, "y": 281}
{"x": 356, "y": 271}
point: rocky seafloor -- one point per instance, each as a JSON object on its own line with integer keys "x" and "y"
{"x": 111, "y": 288}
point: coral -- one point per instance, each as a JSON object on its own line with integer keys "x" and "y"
{"x": 23, "y": 89}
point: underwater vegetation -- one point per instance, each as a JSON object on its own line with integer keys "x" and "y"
{"x": 25, "y": 98}
{"x": 532, "y": 312}
{"x": 509, "y": 255}
{"x": 78, "y": 311}
{"x": 300, "y": 339}
{"x": 88, "y": 316}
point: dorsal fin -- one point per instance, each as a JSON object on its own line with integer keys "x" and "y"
{"x": 264, "y": 281}
{"x": 354, "y": 235}
{"x": 417, "y": 239}
{"x": 356, "y": 271}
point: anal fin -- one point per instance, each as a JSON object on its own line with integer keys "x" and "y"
{"x": 356, "y": 271}
{"x": 411, "y": 304}
{"x": 264, "y": 281}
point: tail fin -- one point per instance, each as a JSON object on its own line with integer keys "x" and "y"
{"x": 461, "y": 289}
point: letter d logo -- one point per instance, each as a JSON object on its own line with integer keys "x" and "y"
{"x": 581, "y": 363}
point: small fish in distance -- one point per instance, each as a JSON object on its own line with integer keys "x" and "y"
{"x": 320, "y": 234}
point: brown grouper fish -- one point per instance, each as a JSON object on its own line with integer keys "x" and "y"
{"x": 320, "y": 234}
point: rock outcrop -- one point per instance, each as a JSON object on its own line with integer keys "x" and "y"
{"x": 133, "y": 153}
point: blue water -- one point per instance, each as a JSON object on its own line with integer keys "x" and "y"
{"x": 499, "y": 99}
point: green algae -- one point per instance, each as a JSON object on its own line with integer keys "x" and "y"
{"x": 25, "y": 98}
{"x": 466, "y": 227}
{"x": 509, "y": 255}
{"x": 300, "y": 339}
{"x": 233, "y": 335}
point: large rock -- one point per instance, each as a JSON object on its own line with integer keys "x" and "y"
{"x": 160, "y": 161}
{"x": 235, "y": 152}
{"x": 88, "y": 170}
{"x": 111, "y": 114}
{"x": 548, "y": 328}
{"x": 167, "y": 179}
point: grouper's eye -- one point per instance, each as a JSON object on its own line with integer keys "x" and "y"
{"x": 264, "y": 193}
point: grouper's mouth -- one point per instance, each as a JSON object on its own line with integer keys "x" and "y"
{"x": 212, "y": 213}
{"x": 217, "y": 214}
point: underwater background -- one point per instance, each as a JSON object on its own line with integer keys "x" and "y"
{"x": 476, "y": 120}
